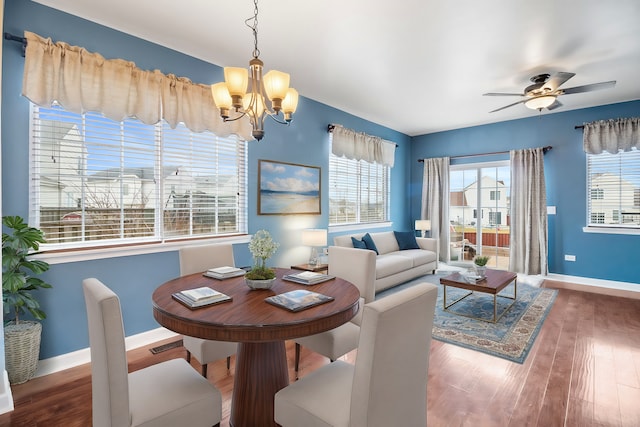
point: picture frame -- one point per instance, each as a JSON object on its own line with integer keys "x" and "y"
{"x": 288, "y": 188}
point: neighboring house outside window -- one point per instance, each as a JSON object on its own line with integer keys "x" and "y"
{"x": 100, "y": 182}
{"x": 613, "y": 185}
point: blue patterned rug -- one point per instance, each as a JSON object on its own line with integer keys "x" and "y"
{"x": 510, "y": 338}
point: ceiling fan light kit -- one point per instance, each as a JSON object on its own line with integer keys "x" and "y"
{"x": 545, "y": 90}
{"x": 274, "y": 86}
{"x": 540, "y": 102}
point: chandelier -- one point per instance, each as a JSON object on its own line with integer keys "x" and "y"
{"x": 232, "y": 93}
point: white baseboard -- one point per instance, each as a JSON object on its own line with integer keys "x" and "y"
{"x": 600, "y": 286}
{"x": 6, "y": 399}
{"x": 80, "y": 357}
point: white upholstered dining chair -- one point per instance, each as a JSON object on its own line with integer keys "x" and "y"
{"x": 357, "y": 266}
{"x": 167, "y": 394}
{"x": 198, "y": 259}
{"x": 385, "y": 387}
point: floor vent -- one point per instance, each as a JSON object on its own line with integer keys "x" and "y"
{"x": 165, "y": 347}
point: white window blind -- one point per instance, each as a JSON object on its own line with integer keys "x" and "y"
{"x": 100, "y": 182}
{"x": 613, "y": 185}
{"x": 358, "y": 191}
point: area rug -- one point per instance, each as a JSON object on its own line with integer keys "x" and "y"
{"x": 510, "y": 338}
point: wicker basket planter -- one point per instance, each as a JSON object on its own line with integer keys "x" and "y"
{"x": 22, "y": 350}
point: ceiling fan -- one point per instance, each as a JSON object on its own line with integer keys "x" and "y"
{"x": 544, "y": 91}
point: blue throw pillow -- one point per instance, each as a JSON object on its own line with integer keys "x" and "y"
{"x": 358, "y": 244}
{"x": 406, "y": 240}
{"x": 369, "y": 242}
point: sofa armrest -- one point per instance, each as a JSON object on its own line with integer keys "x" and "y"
{"x": 430, "y": 244}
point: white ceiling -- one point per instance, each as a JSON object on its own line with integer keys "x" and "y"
{"x": 416, "y": 66}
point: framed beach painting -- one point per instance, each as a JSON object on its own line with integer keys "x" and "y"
{"x": 288, "y": 189}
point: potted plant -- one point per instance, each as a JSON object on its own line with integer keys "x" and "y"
{"x": 21, "y": 337}
{"x": 262, "y": 247}
{"x": 480, "y": 262}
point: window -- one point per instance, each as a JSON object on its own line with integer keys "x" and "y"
{"x": 358, "y": 191}
{"x": 494, "y": 195}
{"x": 98, "y": 182}
{"x": 613, "y": 185}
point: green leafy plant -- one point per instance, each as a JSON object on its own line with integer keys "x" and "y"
{"x": 481, "y": 260}
{"x": 262, "y": 247}
{"x": 18, "y": 271}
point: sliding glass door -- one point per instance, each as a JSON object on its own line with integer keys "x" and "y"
{"x": 479, "y": 213}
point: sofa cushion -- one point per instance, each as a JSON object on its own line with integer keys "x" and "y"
{"x": 389, "y": 264}
{"x": 369, "y": 242}
{"x": 418, "y": 256}
{"x": 406, "y": 240}
{"x": 385, "y": 242}
{"x": 358, "y": 244}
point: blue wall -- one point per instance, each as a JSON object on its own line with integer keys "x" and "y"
{"x": 600, "y": 256}
{"x": 306, "y": 141}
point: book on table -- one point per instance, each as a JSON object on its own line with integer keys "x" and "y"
{"x": 200, "y": 297}
{"x": 224, "y": 272}
{"x": 298, "y": 299}
{"x": 308, "y": 277}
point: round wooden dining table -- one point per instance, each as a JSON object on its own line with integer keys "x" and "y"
{"x": 259, "y": 328}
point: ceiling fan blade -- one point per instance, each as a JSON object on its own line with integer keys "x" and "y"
{"x": 510, "y": 105}
{"x": 556, "y": 80}
{"x": 555, "y": 105}
{"x": 589, "y": 88}
{"x": 501, "y": 94}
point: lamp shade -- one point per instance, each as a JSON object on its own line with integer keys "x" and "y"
{"x": 290, "y": 102}
{"x": 314, "y": 237}
{"x": 237, "y": 80}
{"x": 540, "y": 102}
{"x": 423, "y": 224}
{"x": 221, "y": 95}
{"x": 276, "y": 84}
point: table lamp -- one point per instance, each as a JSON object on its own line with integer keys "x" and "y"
{"x": 314, "y": 238}
{"x": 423, "y": 225}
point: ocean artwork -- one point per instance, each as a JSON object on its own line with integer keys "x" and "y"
{"x": 287, "y": 188}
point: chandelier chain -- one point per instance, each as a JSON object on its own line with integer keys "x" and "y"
{"x": 254, "y": 28}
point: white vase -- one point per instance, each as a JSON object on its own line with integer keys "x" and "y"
{"x": 259, "y": 283}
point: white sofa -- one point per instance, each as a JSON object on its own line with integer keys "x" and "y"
{"x": 395, "y": 266}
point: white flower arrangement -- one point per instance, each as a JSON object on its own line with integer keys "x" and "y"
{"x": 262, "y": 247}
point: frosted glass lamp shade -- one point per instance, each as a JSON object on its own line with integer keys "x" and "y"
{"x": 540, "y": 102}
{"x": 276, "y": 84}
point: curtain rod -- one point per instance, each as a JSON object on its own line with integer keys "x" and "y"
{"x": 579, "y": 127}
{"x": 544, "y": 150}
{"x": 331, "y": 127}
{"x": 23, "y": 40}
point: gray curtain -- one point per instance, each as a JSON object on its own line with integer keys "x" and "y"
{"x": 529, "y": 238}
{"x": 435, "y": 201}
{"x": 611, "y": 136}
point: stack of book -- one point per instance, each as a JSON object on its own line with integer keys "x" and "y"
{"x": 299, "y": 299}
{"x": 225, "y": 272}
{"x": 308, "y": 277}
{"x": 200, "y": 297}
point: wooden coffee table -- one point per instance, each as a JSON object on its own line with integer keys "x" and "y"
{"x": 494, "y": 282}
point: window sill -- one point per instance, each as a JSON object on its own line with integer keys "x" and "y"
{"x": 611, "y": 230}
{"x": 63, "y": 257}
{"x": 359, "y": 227}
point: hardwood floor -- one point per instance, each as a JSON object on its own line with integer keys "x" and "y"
{"x": 583, "y": 370}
